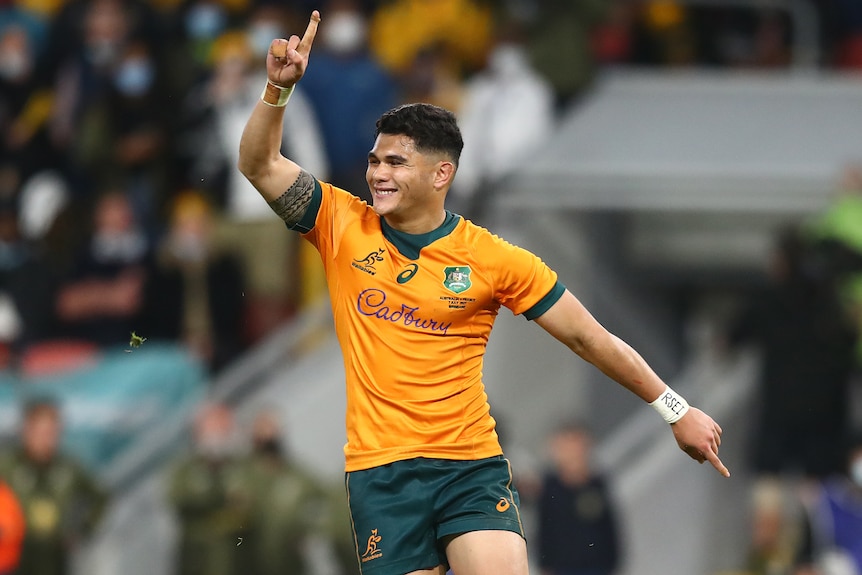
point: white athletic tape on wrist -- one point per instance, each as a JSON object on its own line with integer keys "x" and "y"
{"x": 670, "y": 405}
{"x": 275, "y": 95}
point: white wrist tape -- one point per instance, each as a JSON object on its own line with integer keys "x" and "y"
{"x": 275, "y": 95}
{"x": 670, "y": 405}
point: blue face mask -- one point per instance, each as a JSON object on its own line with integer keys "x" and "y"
{"x": 135, "y": 77}
{"x": 205, "y": 21}
{"x": 261, "y": 35}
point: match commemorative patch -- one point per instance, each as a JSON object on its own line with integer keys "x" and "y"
{"x": 456, "y": 279}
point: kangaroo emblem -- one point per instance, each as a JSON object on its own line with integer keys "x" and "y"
{"x": 373, "y": 540}
{"x": 371, "y": 258}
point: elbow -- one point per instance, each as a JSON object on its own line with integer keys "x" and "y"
{"x": 253, "y": 167}
{"x": 249, "y": 169}
{"x": 582, "y": 346}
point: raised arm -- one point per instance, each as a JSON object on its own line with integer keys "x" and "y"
{"x": 570, "y": 322}
{"x": 260, "y": 158}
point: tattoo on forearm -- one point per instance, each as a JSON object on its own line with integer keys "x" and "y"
{"x": 291, "y": 205}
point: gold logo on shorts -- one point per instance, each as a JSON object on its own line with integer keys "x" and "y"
{"x": 371, "y": 551}
{"x": 502, "y": 505}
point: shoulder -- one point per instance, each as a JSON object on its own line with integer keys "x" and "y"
{"x": 484, "y": 239}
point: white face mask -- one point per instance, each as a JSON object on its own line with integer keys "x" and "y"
{"x": 14, "y": 65}
{"x": 344, "y": 32}
{"x": 507, "y": 59}
{"x": 856, "y": 472}
{"x": 188, "y": 247}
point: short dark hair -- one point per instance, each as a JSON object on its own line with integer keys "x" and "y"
{"x": 432, "y": 128}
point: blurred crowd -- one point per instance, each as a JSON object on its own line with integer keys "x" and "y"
{"x": 806, "y": 444}
{"x": 121, "y": 212}
{"x": 240, "y": 503}
{"x": 249, "y": 508}
{"x": 120, "y": 206}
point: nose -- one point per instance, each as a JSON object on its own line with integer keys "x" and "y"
{"x": 378, "y": 173}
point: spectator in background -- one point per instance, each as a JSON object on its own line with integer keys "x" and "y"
{"x": 561, "y": 31}
{"x": 843, "y": 31}
{"x": 12, "y": 530}
{"x": 197, "y": 24}
{"x": 289, "y": 505}
{"x": 507, "y": 113}
{"x": 837, "y": 235}
{"x": 781, "y": 537}
{"x": 86, "y": 46}
{"x": 212, "y": 114}
{"x": 349, "y": 90}
{"x": 837, "y": 512}
{"x": 578, "y": 531}
{"x": 213, "y": 118}
{"x": 613, "y": 39}
{"x": 62, "y": 502}
{"x": 101, "y": 300}
{"x": 403, "y": 29}
{"x": 210, "y": 498}
{"x": 24, "y": 141}
{"x": 195, "y": 292}
{"x": 666, "y": 36}
{"x": 122, "y": 136}
{"x": 26, "y": 287}
{"x": 807, "y": 342}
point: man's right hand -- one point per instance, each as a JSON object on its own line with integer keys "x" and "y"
{"x": 287, "y": 59}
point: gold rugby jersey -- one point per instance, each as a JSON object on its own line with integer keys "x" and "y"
{"x": 413, "y": 314}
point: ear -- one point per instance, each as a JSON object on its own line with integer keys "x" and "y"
{"x": 444, "y": 174}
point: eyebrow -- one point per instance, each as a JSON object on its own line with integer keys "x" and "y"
{"x": 389, "y": 158}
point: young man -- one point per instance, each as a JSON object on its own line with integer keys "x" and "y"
{"x": 414, "y": 291}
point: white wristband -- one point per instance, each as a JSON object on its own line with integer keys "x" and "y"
{"x": 275, "y": 95}
{"x": 670, "y": 405}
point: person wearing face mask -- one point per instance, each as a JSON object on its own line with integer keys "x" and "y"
{"x": 23, "y": 114}
{"x": 349, "y": 89}
{"x": 210, "y": 497}
{"x": 195, "y": 294}
{"x": 837, "y": 516}
{"x": 507, "y": 112}
{"x": 101, "y": 299}
{"x": 289, "y": 504}
{"x": 126, "y": 134}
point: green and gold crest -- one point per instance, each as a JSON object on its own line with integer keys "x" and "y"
{"x": 457, "y": 278}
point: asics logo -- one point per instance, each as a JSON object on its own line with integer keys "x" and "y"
{"x": 407, "y": 273}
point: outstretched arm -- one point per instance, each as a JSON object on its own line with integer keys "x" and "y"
{"x": 570, "y": 322}
{"x": 277, "y": 178}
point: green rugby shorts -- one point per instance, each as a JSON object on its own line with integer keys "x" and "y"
{"x": 401, "y": 512}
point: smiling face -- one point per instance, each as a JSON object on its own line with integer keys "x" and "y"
{"x": 408, "y": 187}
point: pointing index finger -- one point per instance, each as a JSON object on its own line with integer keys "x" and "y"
{"x": 716, "y": 462}
{"x": 310, "y": 32}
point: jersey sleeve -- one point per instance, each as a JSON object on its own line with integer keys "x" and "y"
{"x": 330, "y": 211}
{"x": 308, "y": 219}
{"x": 522, "y": 281}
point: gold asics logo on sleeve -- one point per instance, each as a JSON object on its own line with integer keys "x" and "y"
{"x": 503, "y": 505}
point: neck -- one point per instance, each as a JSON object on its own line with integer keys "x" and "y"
{"x": 421, "y": 225}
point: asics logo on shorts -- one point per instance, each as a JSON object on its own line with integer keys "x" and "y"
{"x": 503, "y": 504}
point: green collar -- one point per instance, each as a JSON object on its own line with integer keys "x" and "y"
{"x": 410, "y": 244}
